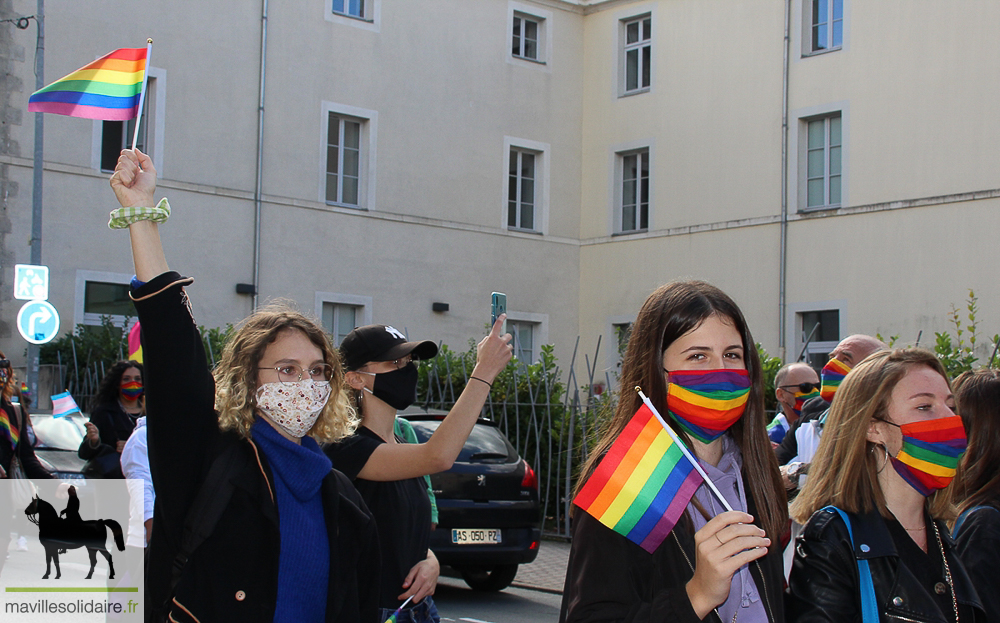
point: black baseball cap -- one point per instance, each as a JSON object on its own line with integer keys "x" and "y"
{"x": 379, "y": 342}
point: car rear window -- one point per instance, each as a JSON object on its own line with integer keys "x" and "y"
{"x": 484, "y": 444}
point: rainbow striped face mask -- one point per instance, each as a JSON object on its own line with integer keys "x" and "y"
{"x": 801, "y": 398}
{"x": 131, "y": 390}
{"x": 707, "y": 402}
{"x": 830, "y": 377}
{"x": 930, "y": 453}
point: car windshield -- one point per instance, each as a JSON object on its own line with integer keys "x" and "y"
{"x": 60, "y": 433}
{"x": 485, "y": 441}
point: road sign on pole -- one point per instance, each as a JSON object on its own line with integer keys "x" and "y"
{"x": 31, "y": 283}
{"x": 38, "y": 322}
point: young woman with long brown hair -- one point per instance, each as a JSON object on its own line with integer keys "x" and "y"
{"x": 715, "y": 564}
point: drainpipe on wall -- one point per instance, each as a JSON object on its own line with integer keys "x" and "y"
{"x": 783, "y": 253}
{"x": 260, "y": 157}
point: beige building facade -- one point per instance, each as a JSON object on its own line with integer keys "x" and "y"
{"x": 414, "y": 156}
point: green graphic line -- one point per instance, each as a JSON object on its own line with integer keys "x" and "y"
{"x": 44, "y": 589}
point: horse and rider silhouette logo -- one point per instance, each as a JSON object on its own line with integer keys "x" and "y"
{"x": 58, "y": 534}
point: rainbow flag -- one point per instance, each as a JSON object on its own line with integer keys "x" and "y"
{"x": 8, "y": 433}
{"x": 63, "y": 404}
{"x": 830, "y": 377}
{"x": 642, "y": 485}
{"x": 108, "y": 89}
{"x": 134, "y": 346}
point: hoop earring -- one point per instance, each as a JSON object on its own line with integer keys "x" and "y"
{"x": 885, "y": 460}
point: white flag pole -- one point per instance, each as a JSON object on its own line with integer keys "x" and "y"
{"x": 687, "y": 453}
{"x": 142, "y": 93}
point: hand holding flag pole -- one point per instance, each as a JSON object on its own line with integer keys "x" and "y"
{"x": 392, "y": 618}
{"x": 683, "y": 449}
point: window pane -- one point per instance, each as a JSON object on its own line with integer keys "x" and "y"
{"x": 527, "y": 216}
{"x": 838, "y": 34}
{"x": 331, "y": 188}
{"x": 350, "y": 190}
{"x": 531, "y": 30}
{"x": 835, "y": 131}
{"x": 528, "y": 165}
{"x": 332, "y": 165}
{"x": 834, "y": 190}
{"x": 628, "y": 194}
{"x": 838, "y": 9}
{"x": 816, "y": 137}
{"x": 647, "y": 28}
{"x": 816, "y": 166}
{"x": 352, "y": 134}
{"x": 815, "y": 193}
{"x": 630, "y": 167}
{"x": 644, "y": 191}
{"x": 338, "y": 6}
{"x": 835, "y": 161}
{"x": 527, "y": 190}
{"x": 357, "y": 8}
{"x": 530, "y": 49}
{"x": 512, "y": 214}
{"x": 819, "y": 37}
{"x": 351, "y": 162}
{"x": 631, "y": 32}
{"x": 515, "y": 47}
{"x": 645, "y": 65}
{"x": 333, "y": 131}
{"x": 820, "y": 9}
{"x": 346, "y": 321}
{"x": 632, "y": 70}
{"x": 109, "y": 299}
{"x": 512, "y": 188}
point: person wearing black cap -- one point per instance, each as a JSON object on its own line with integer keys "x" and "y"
{"x": 388, "y": 472}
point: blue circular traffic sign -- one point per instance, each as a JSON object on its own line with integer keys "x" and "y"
{"x": 38, "y": 322}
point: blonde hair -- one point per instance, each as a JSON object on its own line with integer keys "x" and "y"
{"x": 845, "y": 470}
{"x": 236, "y": 373}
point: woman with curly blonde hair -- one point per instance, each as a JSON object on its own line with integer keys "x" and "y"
{"x": 289, "y": 538}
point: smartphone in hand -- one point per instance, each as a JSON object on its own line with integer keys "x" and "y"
{"x": 498, "y": 305}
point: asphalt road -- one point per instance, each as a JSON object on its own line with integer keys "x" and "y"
{"x": 457, "y": 602}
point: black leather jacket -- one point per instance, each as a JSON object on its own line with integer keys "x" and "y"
{"x": 824, "y": 583}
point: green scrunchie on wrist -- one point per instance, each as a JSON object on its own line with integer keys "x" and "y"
{"x": 123, "y": 217}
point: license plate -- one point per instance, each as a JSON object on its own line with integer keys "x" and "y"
{"x": 469, "y": 536}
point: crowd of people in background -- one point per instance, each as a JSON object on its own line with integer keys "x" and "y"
{"x": 873, "y": 494}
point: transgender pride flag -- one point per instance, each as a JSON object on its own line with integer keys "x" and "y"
{"x": 63, "y": 404}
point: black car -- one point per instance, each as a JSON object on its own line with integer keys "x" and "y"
{"x": 488, "y": 510}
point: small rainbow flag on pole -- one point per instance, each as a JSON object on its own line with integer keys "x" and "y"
{"x": 830, "y": 377}
{"x": 63, "y": 404}
{"x": 643, "y": 484}
{"x": 134, "y": 346}
{"x": 110, "y": 88}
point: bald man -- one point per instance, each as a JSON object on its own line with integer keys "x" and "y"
{"x": 799, "y": 445}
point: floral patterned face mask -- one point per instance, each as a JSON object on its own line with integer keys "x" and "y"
{"x": 294, "y": 407}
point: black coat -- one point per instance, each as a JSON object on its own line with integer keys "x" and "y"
{"x": 25, "y": 453}
{"x": 824, "y": 585}
{"x": 233, "y": 575}
{"x": 610, "y": 578}
{"x": 978, "y": 543}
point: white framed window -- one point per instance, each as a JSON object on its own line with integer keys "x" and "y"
{"x": 111, "y": 137}
{"x": 529, "y": 36}
{"x": 817, "y": 328}
{"x": 364, "y": 14}
{"x": 823, "y": 21}
{"x": 632, "y": 177}
{"x": 824, "y": 145}
{"x": 341, "y": 313}
{"x": 636, "y": 36}
{"x": 521, "y": 190}
{"x": 348, "y": 156}
{"x": 530, "y": 331}
{"x": 100, "y": 294}
{"x": 526, "y": 185}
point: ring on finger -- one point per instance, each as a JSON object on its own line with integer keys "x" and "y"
{"x": 718, "y": 539}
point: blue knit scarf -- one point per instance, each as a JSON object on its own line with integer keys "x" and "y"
{"x": 304, "y": 561}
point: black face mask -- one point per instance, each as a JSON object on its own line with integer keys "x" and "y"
{"x": 398, "y": 388}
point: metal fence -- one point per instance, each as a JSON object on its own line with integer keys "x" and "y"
{"x": 549, "y": 418}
